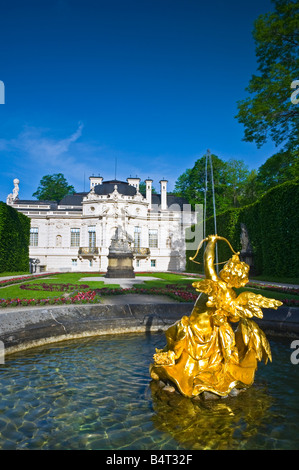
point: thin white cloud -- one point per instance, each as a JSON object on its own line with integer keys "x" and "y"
{"x": 35, "y": 145}
{"x": 36, "y": 152}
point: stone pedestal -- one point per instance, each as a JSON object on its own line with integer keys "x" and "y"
{"x": 120, "y": 258}
{"x": 247, "y": 257}
{"x": 120, "y": 265}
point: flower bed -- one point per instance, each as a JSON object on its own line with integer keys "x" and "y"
{"x": 277, "y": 288}
{"x": 93, "y": 296}
{"x": 78, "y": 298}
{"x": 54, "y": 287}
{"x": 16, "y": 280}
{"x": 178, "y": 294}
{"x": 290, "y": 302}
{"x": 181, "y": 293}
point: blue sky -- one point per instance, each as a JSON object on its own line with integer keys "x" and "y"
{"x": 151, "y": 84}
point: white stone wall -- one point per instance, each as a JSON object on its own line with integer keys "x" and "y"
{"x": 106, "y": 213}
{"x": 169, "y": 255}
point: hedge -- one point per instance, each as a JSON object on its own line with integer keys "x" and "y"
{"x": 14, "y": 239}
{"x": 272, "y": 223}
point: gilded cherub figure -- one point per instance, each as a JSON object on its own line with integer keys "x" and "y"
{"x": 203, "y": 353}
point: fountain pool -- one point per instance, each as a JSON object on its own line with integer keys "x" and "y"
{"x": 96, "y": 393}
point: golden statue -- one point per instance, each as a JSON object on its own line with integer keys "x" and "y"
{"x": 203, "y": 353}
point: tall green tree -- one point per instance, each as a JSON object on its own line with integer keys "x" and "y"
{"x": 268, "y": 111}
{"x": 236, "y": 177}
{"x": 191, "y": 184}
{"x": 229, "y": 179}
{"x": 251, "y": 189}
{"x": 53, "y": 188}
{"x": 281, "y": 167}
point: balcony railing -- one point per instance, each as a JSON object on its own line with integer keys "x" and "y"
{"x": 88, "y": 251}
{"x": 141, "y": 252}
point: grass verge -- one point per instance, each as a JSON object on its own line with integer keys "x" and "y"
{"x": 71, "y": 288}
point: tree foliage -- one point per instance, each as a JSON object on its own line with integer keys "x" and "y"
{"x": 272, "y": 224}
{"x": 14, "y": 239}
{"x": 281, "y": 167}
{"x": 235, "y": 185}
{"x": 53, "y": 188}
{"x": 269, "y": 111}
{"x": 229, "y": 181}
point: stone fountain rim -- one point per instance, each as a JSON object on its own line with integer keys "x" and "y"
{"x": 26, "y": 327}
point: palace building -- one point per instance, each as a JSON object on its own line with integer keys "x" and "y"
{"x": 75, "y": 234}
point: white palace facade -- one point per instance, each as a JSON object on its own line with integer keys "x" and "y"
{"x": 75, "y": 233}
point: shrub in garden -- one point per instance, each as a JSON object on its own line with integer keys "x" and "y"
{"x": 14, "y": 239}
{"x": 272, "y": 223}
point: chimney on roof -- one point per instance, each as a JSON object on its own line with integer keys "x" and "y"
{"x": 95, "y": 180}
{"x": 163, "y": 186}
{"x": 148, "y": 191}
{"x": 134, "y": 182}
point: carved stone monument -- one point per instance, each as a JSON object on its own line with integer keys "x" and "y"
{"x": 246, "y": 253}
{"x": 120, "y": 257}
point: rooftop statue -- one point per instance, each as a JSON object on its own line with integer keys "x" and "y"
{"x": 203, "y": 353}
{"x": 15, "y": 193}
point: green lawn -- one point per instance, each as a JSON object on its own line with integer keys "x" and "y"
{"x": 72, "y": 282}
{"x": 185, "y": 283}
{"x": 174, "y": 279}
{"x": 269, "y": 293}
{"x": 284, "y": 280}
{"x": 14, "y": 291}
{"x": 165, "y": 276}
{"x": 17, "y": 273}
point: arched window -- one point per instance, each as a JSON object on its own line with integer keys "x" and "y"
{"x": 58, "y": 240}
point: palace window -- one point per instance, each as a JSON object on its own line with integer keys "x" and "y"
{"x": 137, "y": 237}
{"x": 34, "y": 236}
{"x": 75, "y": 237}
{"x": 92, "y": 236}
{"x": 153, "y": 263}
{"x": 74, "y": 262}
{"x": 153, "y": 238}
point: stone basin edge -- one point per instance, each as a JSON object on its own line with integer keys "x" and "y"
{"x": 24, "y": 328}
